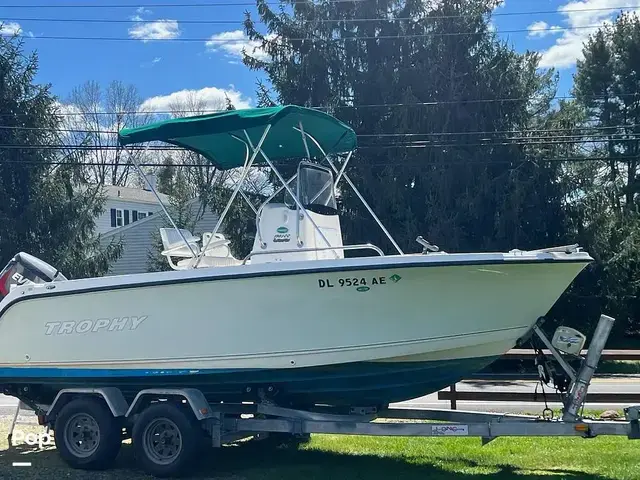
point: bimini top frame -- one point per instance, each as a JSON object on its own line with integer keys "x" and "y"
{"x": 215, "y": 136}
{"x": 257, "y": 137}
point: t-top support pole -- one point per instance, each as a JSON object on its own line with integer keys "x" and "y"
{"x": 304, "y": 140}
{"x": 294, "y": 196}
{"x": 344, "y": 166}
{"x": 244, "y": 195}
{"x": 247, "y": 166}
{"x": 357, "y": 192}
{"x": 139, "y": 169}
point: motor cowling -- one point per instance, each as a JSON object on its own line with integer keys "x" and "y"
{"x": 26, "y": 269}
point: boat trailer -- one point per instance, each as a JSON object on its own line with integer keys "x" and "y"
{"x": 487, "y": 426}
{"x": 188, "y": 411}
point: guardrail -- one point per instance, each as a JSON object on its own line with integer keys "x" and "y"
{"x": 453, "y": 395}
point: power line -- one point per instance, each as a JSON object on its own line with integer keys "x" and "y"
{"x": 252, "y": 4}
{"x": 505, "y": 143}
{"x": 321, "y": 20}
{"x": 64, "y": 130}
{"x": 342, "y": 107}
{"x": 107, "y": 20}
{"x": 165, "y": 5}
{"x": 539, "y": 133}
{"x": 496, "y": 142}
{"x": 233, "y": 41}
{"x": 573, "y": 159}
{"x": 89, "y": 147}
{"x": 526, "y": 137}
{"x": 476, "y": 100}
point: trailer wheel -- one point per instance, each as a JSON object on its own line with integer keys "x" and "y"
{"x": 166, "y": 440}
{"x": 87, "y": 435}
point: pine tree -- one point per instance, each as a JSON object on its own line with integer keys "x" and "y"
{"x": 404, "y": 81}
{"x": 43, "y": 211}
{"x": 607, "y": 83}
{"x": 166, "y": 176}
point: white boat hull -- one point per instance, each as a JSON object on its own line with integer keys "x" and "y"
{"x": 292, "y": 317}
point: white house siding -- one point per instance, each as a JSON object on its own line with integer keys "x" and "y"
{"x": 138, "y": 240}
{"x": 103, "y": 222}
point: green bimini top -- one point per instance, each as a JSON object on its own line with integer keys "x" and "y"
{"x": 216, "y": 136}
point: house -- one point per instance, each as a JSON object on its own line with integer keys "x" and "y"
{"x": 134, "y": 217}
{"x": 126, "y": 205}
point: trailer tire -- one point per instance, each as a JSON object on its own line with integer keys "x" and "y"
{"x": 166, "y": 440}
{"x": 86, "y": 434}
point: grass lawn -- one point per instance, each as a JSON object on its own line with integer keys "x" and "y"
{"x": 371, "y": 458}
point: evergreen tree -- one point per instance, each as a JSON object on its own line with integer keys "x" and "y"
{"x": 607, "y": 82}
{"x": 166, "y": 176}
{"x": 181, "y": 210}
{"x": 43, "y": 211}
{"x": 402, "y": 80}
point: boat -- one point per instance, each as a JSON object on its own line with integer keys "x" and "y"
{"x": 303, "y": 320}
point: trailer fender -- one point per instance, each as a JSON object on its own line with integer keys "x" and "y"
{"x": 112, "y": 397}
{"x": 194, "y": 398}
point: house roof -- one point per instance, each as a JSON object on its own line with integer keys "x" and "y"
{"x": 133, "y": 194}
{"x": 136, "y": 224}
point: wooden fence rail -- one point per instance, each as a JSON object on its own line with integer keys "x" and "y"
{"x": 453, "y": 395}
{"x": 527, "y": 354}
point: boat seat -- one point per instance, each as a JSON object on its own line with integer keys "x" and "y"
{"x": 209, "y": 262}
{"x": 174, "y": 244}
{"x": 218, "y": 246}
{"x": 218, "y": 253}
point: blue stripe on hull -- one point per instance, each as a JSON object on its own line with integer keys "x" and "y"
{"x": 55, "y": 372}
{"x": 365, "y": 383}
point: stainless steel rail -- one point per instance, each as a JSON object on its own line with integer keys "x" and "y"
{"x": 364, "y": 246}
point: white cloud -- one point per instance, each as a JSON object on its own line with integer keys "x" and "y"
{"x": 10, "y": 28}
{"x": 581, "y": 16}
{"x": 208, "y": 98}
{"x": 151, "y": 63}
{"x": 67, "y": 111}
{"x": 542, "y": 29}
{"x": 234, "y": 42}
{"x": 156, "y": 30}
{"x": 140, "y": 11}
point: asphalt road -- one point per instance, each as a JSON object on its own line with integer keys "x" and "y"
{"x": 600, "y": 385}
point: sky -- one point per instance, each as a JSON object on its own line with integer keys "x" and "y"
{"x": 205, "y": 58}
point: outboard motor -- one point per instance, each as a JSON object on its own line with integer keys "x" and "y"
{"x": 26, "y": 269}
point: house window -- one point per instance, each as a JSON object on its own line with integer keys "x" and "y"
{"x": 141, "y": 215}
{"x": 119, "y": 217}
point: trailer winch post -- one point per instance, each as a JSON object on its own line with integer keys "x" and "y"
{"x": 578, "y": 390}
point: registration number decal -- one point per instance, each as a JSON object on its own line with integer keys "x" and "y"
{"x": 361, "y": 284}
